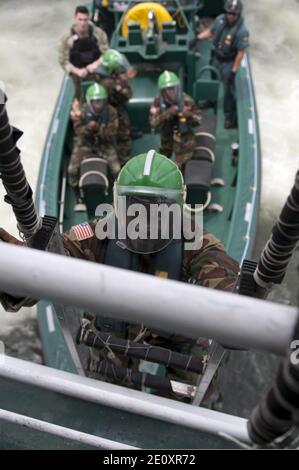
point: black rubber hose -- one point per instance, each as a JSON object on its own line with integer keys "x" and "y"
{"x": 140, "y": 351}
{"x": 19, "y": 192}
{"x": 279, "y": 410}
{"x": 285, "y": 235}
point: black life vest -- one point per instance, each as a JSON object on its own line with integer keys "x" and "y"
{"x": 84, "y": 50}
{"x": 225, "y": 47}
{"x": 165, "y": 263}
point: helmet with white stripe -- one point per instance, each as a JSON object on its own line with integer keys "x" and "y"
{"x": 151, "y": 184}
{"x": 151, "y": 174}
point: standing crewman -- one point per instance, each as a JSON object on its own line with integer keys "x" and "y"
{"x": 230, "y": 40}
{"x": 80, "y": 49}
{"x": 115, "y": 72}
{"x": 95, "y": 127}
{"x": 176, "y": 116}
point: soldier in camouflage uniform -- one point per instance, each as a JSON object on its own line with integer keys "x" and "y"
{"x": 154, "y": 179}
{"x": 95, "y": 126}
{"x": 81, "y": 48}
{"x": 115, "y": 72}
{"x": 176, "y": 116}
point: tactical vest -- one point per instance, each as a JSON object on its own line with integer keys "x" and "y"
{"x": 225, "y": 48}
{"x": 84, "y": 50}
{"x": 166, "y": 263}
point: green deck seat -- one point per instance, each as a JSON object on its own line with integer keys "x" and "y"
{"x": 135, "y": 34}
{"x": 169, "y": 32}
{"x": 206, "y": 88}
{"x": 144, "y": 91}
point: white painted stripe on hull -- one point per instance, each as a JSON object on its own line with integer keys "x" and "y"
{"x": 50, "y": 319}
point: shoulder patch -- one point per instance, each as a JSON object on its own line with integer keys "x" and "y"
{"x": 81, "y": 232}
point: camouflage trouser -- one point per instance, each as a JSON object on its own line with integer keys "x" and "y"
{"x": 81, "y": 152}
{"x": 182, "y": 146}
{"x": 166, "y": 143}
{"x": 78, "y": 92}
{"x": 123, "y": 137}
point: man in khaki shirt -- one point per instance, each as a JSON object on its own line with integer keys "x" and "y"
{"x": 81, "y": 48}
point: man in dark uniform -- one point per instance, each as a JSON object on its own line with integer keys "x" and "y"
{"x": 230, "y": 39}
{"x": 81, "y": 48}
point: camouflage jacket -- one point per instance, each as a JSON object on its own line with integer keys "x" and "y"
{"x": 210, "y": 266}
{"x": 66, "y": 43}
{"x": 159, "y": 118}
{"x": 118, "y": 88}
{"x": 103, "y": 133}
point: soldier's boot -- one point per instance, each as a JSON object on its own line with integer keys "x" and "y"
{"x": 113, "y": 162}
{"x": 73, "y": 181}
{"x": 181, "y": 159}
{"x": 124, "y": 148}
{"x": 80, "y": 204}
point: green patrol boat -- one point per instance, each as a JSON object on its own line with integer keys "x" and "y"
{"x": 63, "y": 408}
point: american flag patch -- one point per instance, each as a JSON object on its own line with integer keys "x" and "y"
{"x": 82, "y": 231}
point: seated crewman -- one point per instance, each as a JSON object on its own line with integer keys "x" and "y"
{"x": 95, "y": 127}
{"x": 115, "y": 72}
{"x": 80, "y": 49}
{"x": 175, "y": 114}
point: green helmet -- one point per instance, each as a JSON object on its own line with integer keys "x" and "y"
{"x": 112, "y": 60}
{"x": 151, "y": 183}
{"x": 95, "y": 92}
{"x": 151, "y": 174}
{"x": 168, "y": 79}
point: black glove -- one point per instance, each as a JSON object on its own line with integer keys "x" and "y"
{"x": 192, "y": 42}
{"x": 231, "y": 77}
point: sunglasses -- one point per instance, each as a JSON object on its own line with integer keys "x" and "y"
{"x": 231, "y": 13}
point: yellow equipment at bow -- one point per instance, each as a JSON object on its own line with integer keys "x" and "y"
{"x": 139, "y": 14}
